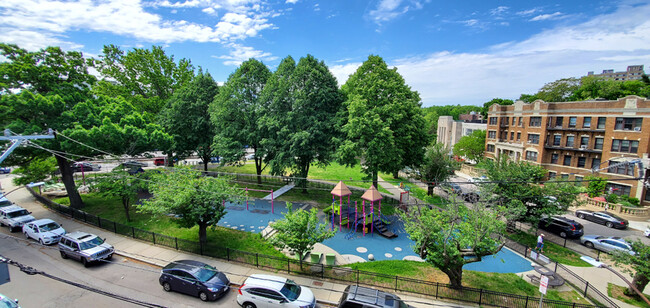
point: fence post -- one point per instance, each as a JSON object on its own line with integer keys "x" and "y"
{"x": 357, "y": 277}
{"x": 99, "y": 221}
{"x": 288, "y": 266}
{"x": 176, "y": 241}
{"x": 565, "y": 242}
{"x": 555, "y": 271}
{"x": 154, "y": 237}
{"x": 322, "y": 271}
{"x": 395, "y": 283}
{"x": 228, "y": 254}
{"x": 480, "y": 296}
{"x": 257, "y": 260}
{"x": 437, "y": 285}
{"x": 85, "y": 217}
{"x": 586, "y": 287}
{"x": 114, "y": 227}
{"x": 526, "y": 302}
{"x": 133, "y": 232}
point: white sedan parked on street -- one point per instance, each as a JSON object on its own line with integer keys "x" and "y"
{"x": 273, "y": 291}
{"x": 45, "y": 231}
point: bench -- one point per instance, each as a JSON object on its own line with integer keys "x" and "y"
{"x": 553, "y": 280}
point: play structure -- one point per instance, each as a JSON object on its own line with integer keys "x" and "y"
{"x": 354, "y": 218}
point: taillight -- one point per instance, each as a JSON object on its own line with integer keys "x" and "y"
{"x": 240, "y": 289}
{"x": 622, "y": 222}
{"x": 573, "y": 228}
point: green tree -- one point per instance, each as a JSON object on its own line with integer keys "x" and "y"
{"x": 454, "y": 237}
{"x": 385, "y": 125}
{"x": 187, "y": 119}
{"x": 299, "y": 231}
{"x": 197, "y": 199}
{"x": 37, "y": 170}
{"x": 437, "y": 166}
{"x": 147, "y": 78}
{"x": 595, "y": 185}
{"x": 471, "y": 146}
{"x": 236, "y": 112}
{"x": 558, "y": 91}
{"x": 498, "y": 101}
{"x": 636, "y": 265}
{"x": 119, "y": 183}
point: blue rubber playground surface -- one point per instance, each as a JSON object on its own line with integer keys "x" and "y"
{"x": 256, "y": 218}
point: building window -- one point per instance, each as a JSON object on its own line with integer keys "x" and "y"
{"x": 582, "y": 162}
{"x": 573, "y": 121}
{"x": 492, "y": 134}
{"x": 584, "y": 142}
{"x": 493, "y": 121}
{"x": 554, "y": 158}
{"x": 618, "y": 168}
{"x": 557, "y": 139}
{"x": 521, "y": 121}
{"x": 490, "y": 148}
{"x": 551, "y": 175}
{"x": 535, "y": 121}
{"x": 565, "y": 176}
{"x": 628, "y": 124}
{"x": 468, "y": 132}
{"x": 512, "y": 135}
{"x": 569, "y": 141}
{"x": 504, "y": 121}
{"x": 601, "y": 123}
{"x": 579, "y": 179}
{"x": 599, "y": 143}
{"x": 558, "y": 121}
{"x": 595, "y": 163}
{"x": 533, "y": 138}
{"x": 530, "y": 155}
{"x": 625, "y": 146}
{"x": 518, "y": 136}
{"x": 513, "y": 121}
{"x": 621, "y": 190}
{"x": 567, "y": 160}
{"x": 587, "y": 122}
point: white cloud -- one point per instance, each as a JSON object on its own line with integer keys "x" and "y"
{"x": 343, "y": 71}
{"x": 239, "y": 54}
{"x": 52, "y": 18}
{"x": 529, "y": 12}
{"x": 390, "y": 9}
{"x": 291, "y": 1}
{"x": 555, "y": 15}
{"x": 499, "y": 10}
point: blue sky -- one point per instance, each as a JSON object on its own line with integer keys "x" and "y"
{"x": 451, "y": 52}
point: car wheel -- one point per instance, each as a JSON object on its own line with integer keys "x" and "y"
{"x": 26, "y": 235}
{"x": 40, "y": 241}
{"x": 562, "y": 234}
{"x": 63, "y": 255}
{"x": 85, "y": 262}
{"x": 203, "y": 296}
{"x": 581, "y": 216}
{"x": 249, "y": 305}
{"x": 589, "y": 244}
{"x": 167, "y": 287}
{"x": 609, "y": 224}
{"x": 110, "y": 257}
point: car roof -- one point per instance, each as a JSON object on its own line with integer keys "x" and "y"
{"x": 367, "y": 295}
{"x": 80, "y": 235}
{"x": 42, "y": 221}
{"x": 186, "y": 265}
{"x": 11, "y": 208}
{"x": 266, "y": 281}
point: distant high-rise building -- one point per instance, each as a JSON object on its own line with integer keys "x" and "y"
{"x": 633, "y": 72}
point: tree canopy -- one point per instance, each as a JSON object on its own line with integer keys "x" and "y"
{"x": 636, "y": 265}
{"x": 498, "y": 101}
{"x": 121, "y": 184}
{"x": 437, "y": 166}
{"x": 472, "y": 146}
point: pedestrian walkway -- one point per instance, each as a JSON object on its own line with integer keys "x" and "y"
{"x": 328, "y": 293}
{"x": 279, "y": 192}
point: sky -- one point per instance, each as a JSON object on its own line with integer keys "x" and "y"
{"x": 450, "y": 52}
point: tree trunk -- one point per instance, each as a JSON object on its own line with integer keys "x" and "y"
{"x": 203, "y": 232}
{"x": 640, "y": 281}
{"x": 68, "y": 180}
{"x": 125, "y": 203}
{"x": 170, "y": 160}
{"x": 430, "y": 189}
{"x": 304, "y": 171}
{"x": 455, "y": 275}
{"x": 206, "y": 161}
{"x": 396, "y": 174}
{"x": 258, "y": 169}
{"x": 375, "y": 180}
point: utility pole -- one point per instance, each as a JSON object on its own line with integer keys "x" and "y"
{"x": 16, "y": 141}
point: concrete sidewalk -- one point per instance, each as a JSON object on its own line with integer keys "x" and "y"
{"x": 327, "y": 293}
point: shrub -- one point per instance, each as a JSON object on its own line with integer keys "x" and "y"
{"x": 612, "y": 198}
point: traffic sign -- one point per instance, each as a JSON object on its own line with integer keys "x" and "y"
{"x": 543, "y": 284}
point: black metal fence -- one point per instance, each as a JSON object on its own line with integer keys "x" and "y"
{"x": 347, "y": 275}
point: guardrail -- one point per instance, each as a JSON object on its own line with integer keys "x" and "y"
{"x": 347, "y": 275}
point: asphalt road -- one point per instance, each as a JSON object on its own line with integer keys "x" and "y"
{"x": 124, "y": 277}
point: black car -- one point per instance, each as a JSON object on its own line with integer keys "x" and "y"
{"x": 134, "y": 164}
{"x": 562, "y": 226}
{"x": 85, "y": 166}
{"x": 604, "y": 218}
{"x": 194, "y": 278}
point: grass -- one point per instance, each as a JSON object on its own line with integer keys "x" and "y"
{"x": 551, "y": 250}
{"x": 617, "y": 292}
{"x": 111, "y": 209}
{"x": 507, "y": 283}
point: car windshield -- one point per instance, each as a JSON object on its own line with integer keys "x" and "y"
{"x": 291, "y": 290}
{"x": 206, "y": 273}
{"x": 17, "y": 213}
{"x": 4, "y": 203}
{"x": 48, "y": 227}
{"x": 7, "y": 303}
{"x": 93, "y": 242}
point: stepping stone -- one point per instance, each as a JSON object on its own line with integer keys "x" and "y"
{"x": 362, "y": 249}
{"x": 398, "y": 248}
{"x": 388, "y": 255}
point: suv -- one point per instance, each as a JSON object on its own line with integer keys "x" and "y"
{"x": 362, "y": 297}
{"x": 84, "y": 247}
{"x": 4, "y": 201}
{"x": 562, "y": 226}
{"x": 272, "y": 291}
{"x": 15, "y": 217}
{"x": 194, "y": 278}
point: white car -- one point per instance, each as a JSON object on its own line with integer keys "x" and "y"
{"x": 260, "y": 291}
{"x": 647, "y": 232}
{"x": 45, "y": 231}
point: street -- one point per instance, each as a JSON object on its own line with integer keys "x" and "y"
{"x": 124, "y": 277}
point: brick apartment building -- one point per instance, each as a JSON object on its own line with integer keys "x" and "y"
{"x": 570, "y": 139}
{"x": 633, "y": 72}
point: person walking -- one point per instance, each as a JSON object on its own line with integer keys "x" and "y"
{"x": 540, "y": 243}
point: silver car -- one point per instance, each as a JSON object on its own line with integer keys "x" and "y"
{"x": 15, "y": 217}
{"x": 606, "y": 244}
{"x": 85, "y": 247}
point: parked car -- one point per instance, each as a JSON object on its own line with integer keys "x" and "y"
{"x": 479, "y": 180}
{"x": 215, "y": 159}
{"x": 134, "y": 164}
{"x": 647, "y": 232}
{"x": 452, "y": 187}
{"x": 274, "y": 291}
{"x": 606, "y": 244}
{"x": 604, "y": 218}
{"x": 45, "y": 231}
{"x": 6, "y": 302}
{"x": 85, "y": 247}
{"x": 358, "y": 296}
{"x": 159, "y": 161}
{"x": 4, "y": 170}
{"x": 15, "y": 217}
{"x": 5, "y": 202}
{"x": 86, "y": 166}
{"x": 562, "y": 226}
{"x": 194, "y": 278}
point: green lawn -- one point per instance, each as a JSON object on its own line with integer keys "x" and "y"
{"x": 111, "y": 209}
{"x": 616, "y": 291}
{"x": 552, "y": 250}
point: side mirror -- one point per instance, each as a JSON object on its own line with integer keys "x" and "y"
{"x": 283, "y": 301}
